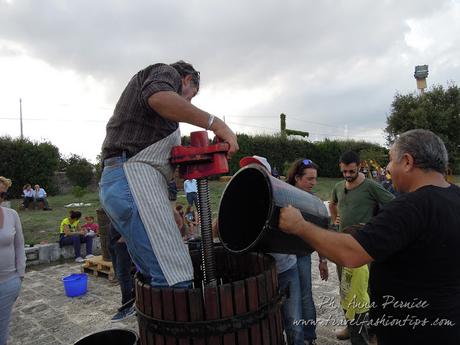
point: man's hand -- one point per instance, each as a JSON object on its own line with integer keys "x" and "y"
{"x": 224, "y": 132}
{"x": 323, "y": 270}
{"x": 291, "y": 220}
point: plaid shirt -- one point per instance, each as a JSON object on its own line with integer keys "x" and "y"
{"x": 134, "y": 124}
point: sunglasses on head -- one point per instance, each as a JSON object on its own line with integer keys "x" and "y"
{"x": 307, "y": 162}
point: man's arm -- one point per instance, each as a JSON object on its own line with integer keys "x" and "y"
{"x": 172, "y": 106}
{"x": 333, "y": 210}
{"x": 340, "y": 248}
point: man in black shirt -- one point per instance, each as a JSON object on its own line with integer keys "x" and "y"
{"x": 413, "y": 244}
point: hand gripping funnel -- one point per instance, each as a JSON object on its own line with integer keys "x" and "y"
{"x": 249, "y": 213}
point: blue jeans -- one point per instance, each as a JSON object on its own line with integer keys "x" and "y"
{"x": 192, "y": 198}
{"x": 292, "y": 312}
{"x": 9, "y": 292}
{"x": 76, "y": 240}
{"x": 308, "y": 305}
{"x": 118, "y": 202}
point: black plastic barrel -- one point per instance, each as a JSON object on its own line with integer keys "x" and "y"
{"x": 249, "y": 213}
{"x": 116, "y": 336}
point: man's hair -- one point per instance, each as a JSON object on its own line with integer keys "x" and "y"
{"x": 349, "y": 157}
{"x": 75, "y": 214}
{"x": 297, "y": 168}
{"x": 427, "y": 149}
{"x": 185, "y": 69}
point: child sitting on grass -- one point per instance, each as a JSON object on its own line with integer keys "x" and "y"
{"x": 91, "y": 228}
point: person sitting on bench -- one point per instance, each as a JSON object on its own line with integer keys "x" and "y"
{"x": 40, "y": 196}
{"x": 28, "y": 195}
{"x": 71, "y": 233}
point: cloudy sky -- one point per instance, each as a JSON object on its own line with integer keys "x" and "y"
{"x": 332, "y": 66}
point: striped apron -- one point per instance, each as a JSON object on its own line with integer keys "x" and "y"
{"x": 148, "y": 173}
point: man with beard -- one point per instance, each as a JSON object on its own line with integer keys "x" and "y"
{"x": 355, "y": 200}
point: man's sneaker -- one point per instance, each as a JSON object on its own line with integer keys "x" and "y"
{"x": 89, "y": 256}
{"x": 79, "y": 259}
{"x": 123, "y": 314}
{"x": 343, "y": 334}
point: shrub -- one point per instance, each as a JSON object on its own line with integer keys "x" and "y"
{"x": 79, "y": 171}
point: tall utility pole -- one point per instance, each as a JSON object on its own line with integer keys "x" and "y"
{"x": 20, "y": 116}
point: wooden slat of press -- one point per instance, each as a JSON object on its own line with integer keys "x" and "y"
{"x": 244, "y": 264}
{"x": 253, "y": 305}
{"x": 233, "y": 268}
{"x": 147, "y": 297}
{"x": 195, "y": 298}
{"x": 211, "y": 309}
{"x": 181, "y": 309}
{"x": 140, "y": 306}
{"x": 271, "y": 316}
{"x": 197, "y": 274}
{"x": 168, "y": 312}
{"x": 239, "y": 296}
{"x": 279, "y": 323}
{"x": 226, "y": 309}
{"x": 262, "y": 289}
{"x": 157, "y": 304}
{"x": 224, "y": 268}
{"x": 260, "y": 263}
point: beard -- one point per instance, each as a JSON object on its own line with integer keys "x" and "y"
{"x": 351, "y": 178}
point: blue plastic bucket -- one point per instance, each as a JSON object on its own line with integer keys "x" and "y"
{"x": 75, "y": 284}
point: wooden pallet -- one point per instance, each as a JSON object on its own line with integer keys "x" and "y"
{"x": 98, "y": 267}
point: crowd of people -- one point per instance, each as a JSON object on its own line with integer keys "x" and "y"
{"x": 397, "y": 258}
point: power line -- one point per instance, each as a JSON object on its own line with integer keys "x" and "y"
{"x": 59, "y": 120}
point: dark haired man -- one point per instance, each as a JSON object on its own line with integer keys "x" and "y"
{"x": 355, "y": 200}
{"x": 413, "y": 244}
{"x": 136, "y": 151}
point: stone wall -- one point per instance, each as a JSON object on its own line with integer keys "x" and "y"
{"x": 50, "y": 252}
{"x": 65, "y": 186}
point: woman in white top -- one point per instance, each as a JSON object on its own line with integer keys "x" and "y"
{"x": 12, "y": 260}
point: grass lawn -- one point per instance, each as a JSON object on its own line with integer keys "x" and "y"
{"x": 41, "y": 226}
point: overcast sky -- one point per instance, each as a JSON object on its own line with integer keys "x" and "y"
{"x": 333, "y": 67}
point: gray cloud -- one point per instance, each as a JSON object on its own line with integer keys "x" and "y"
{"x": 336, "y": 62}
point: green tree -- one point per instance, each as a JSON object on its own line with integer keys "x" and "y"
{"x": 437, "y": 110}
{"x": 78, "y": 192}
{"x": 79, "y": 171}
{"x": 25, "y": 161}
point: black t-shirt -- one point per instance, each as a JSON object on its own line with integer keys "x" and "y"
{"x": 415, "y": 242}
